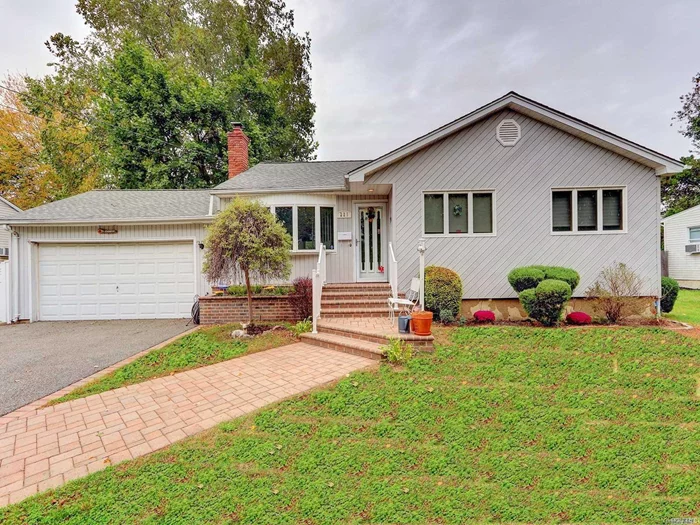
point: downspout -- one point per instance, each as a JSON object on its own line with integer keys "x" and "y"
{"x": 14, "y": 273}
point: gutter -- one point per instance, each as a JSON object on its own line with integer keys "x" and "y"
{"x": 89, "y": 222}
{"x": 233, "y": 193}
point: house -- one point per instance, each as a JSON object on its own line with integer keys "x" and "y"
{"x": 7, "y": 210}
{"x": 512, "y": 183}
{"x": 682, "y": 246}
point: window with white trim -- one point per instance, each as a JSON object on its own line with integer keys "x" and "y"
{"x": 306, "y": 224}
{"x": 458, "y": 213}
{"x": 694, "y": 234}
{"x": 588, "y": 210}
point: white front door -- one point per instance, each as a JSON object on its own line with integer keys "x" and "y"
{"x": 116, "y": 281}
{"x": 371, "y": 227}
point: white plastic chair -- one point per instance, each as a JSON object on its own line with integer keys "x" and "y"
{"x": 405, "y": 305}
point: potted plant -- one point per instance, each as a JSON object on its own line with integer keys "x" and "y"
{"x": 421, "y": 322}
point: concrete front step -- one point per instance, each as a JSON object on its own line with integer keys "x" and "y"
{"x": 370, "y": 350}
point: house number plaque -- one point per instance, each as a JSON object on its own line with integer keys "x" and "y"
{"x": 344, "y": 215}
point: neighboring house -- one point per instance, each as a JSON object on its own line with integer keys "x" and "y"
{"x": 682, "y": 245}
{"x": 512, "y": 183}
{"x": 7, "y": 210}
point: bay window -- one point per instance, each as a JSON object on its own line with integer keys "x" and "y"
{"x": 458, "y": 213}
{"x": 588, "y": 210}
{"x": 307, "y": 225}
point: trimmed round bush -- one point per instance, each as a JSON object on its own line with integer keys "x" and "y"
{"x": 551, "y": 296}
{"x": 443, "y": 291}
{"x": 484, "y": 316}
{"x": 669, "y": 293}
{"x": 578, "y": 318}
{"x": 528, "y": 299}
{"x": 525, "y": 277}
{"x": 569, "y": 276}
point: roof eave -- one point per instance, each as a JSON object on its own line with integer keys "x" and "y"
{"x": 226, "y": 192}
{"x": 16, "y": 208}
{"x": 107, "y": 221}
{"x": 663, "y": 165}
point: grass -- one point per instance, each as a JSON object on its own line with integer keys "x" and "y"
{"x": 687, "y": 307}
{"x": 500, "y": 424}
{"x": 201, "y": 348}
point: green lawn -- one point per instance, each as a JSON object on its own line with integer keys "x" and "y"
{"x": 203, "y": 347}
{"x": 500, "y": 424}
{"x": 687, "y": 307}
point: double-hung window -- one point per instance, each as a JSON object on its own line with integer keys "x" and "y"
{"x": 588, "y": 210}
{"x": 458, "y": 213}
{"x": 694, "y": 234}
{"x": 307, "y": 224}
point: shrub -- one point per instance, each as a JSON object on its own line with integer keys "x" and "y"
{"x": 484, "y": 316}
{"x": 616, "y": 293}
{"x": 550, "y": 297}
{"x": 525, "y": 278}
{"x": 447, "y": 317}
{"x": 398, "y": 351}
{"x": 669, "y": 293}
{"x": 302, "y": 327}
{"x": 239, "y": 290}
{"x": 578, "y": 318}
{"x": 569, "y": 276}
{"x": 443, "y": 290}
{"x": 301, "y": 298}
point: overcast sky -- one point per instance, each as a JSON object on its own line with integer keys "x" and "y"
{"x": 386, "y": 72}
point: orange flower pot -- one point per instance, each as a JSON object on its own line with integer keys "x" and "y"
{"x": 421, "y": 322}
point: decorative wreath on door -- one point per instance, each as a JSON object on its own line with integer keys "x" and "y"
{"x": 370, "y": 214}
{"x": 457, "y": 210}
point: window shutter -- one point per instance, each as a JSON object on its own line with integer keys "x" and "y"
{"x": 434, "y": 213}
{"x": 587, "y": 210}
{"x": 561, "y": 211}
{"x": 483, "y": 212}
{"x": 612, "y": 209}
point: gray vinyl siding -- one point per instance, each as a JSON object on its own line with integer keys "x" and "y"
{"x": 5, "y": 212}
{"x": 522, "y": 178}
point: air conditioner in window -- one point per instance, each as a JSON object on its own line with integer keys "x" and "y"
{"x": 4, "y": 252}
{"x": 692, "y": 248}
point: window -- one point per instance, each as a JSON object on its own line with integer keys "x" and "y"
{"x": 694, "y": 234}
{"x": 586, "y": 210}
{"x": 307, "y": 224}
{"x": 327, "y": 230}
{"x": 458, "y": 213}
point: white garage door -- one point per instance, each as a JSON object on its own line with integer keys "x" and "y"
{"x": 116, "y": 281}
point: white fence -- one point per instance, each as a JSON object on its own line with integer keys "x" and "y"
{"x": 393, "y": 272}
{"x": 4, "y": 292}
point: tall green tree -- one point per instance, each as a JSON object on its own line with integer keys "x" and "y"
{"x": 682, "y": 191}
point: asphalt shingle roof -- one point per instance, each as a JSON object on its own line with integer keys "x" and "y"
{"x": 106, "y": 205}
{"x": 276, "y": 176}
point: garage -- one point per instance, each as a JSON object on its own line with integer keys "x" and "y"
{"x": 117, "y": 280}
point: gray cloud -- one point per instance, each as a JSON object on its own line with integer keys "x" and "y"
{"x": 385, "y": 72}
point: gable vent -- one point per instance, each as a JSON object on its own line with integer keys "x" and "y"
{"x": 508, "y": 132}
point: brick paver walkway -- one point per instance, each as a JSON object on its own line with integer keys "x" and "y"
{"x": 46, "y": 447}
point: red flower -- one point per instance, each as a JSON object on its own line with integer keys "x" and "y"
{"x": 381, "y": 269}
{"x": 578, "y": 318}
{"x": 485, "y": 316}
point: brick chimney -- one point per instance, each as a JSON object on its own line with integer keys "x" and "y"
{"x": 237, "y": 150}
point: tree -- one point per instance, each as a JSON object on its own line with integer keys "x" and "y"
{"x": 682, "y": 191}
{"x": 246, "y": 240}
{"x": 25, "y": 179}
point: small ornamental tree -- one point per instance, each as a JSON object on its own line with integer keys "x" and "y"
{"x": 246, "y": 240}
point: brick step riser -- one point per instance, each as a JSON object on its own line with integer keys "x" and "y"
{"x": 353, "y": 335}
{"x": 358, "y": 293}
{"x": 350, "y": 287}
{"x": 353, "y": 304}
{"x": 345, "y": 349}
{"x": 338, "y": 312}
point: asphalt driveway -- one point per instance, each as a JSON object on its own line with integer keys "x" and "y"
{"x": 38, "y": 359}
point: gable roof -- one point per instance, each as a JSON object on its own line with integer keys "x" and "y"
{"x": 119, "y": 206}
{"x": 10, "y": 205}
{"x": 291, "y": 176}
{"x": 663, "y": 164}
{"x": 680, "y": 214}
